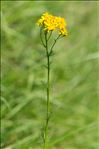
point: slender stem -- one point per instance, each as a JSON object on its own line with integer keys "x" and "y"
{"x": 41, "y": 37}
{"x": 48, "y": 95}
{"x": 54, "y": 44}
{"x": 49, "y": 35}
{"x": 48, "y": 54}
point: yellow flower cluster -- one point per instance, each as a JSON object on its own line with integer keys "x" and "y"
{"x": 50, "y": 23}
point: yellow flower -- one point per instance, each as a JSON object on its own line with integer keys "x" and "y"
{"x": 50, "y": 23}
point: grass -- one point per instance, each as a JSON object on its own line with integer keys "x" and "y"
{"x": 74, "y": 77}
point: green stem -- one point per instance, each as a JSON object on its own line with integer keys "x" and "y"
{"x": 41, "y": 37}
{"x": 48, "y": 95}
{"x": 48, "y": 54}
{"x": 54, "y": 44}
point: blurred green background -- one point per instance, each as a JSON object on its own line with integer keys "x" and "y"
{"x": 74, "y": 76}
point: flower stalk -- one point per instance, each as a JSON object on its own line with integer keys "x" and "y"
{"x": 48, "y": 55}
{"x": 48, "y": 95}
{"x": 48, "y": 24}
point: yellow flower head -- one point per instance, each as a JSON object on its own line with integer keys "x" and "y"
{"x": 50, "y": 23}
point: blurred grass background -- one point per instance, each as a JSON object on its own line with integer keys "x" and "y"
{"x": 74, "y": 76}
